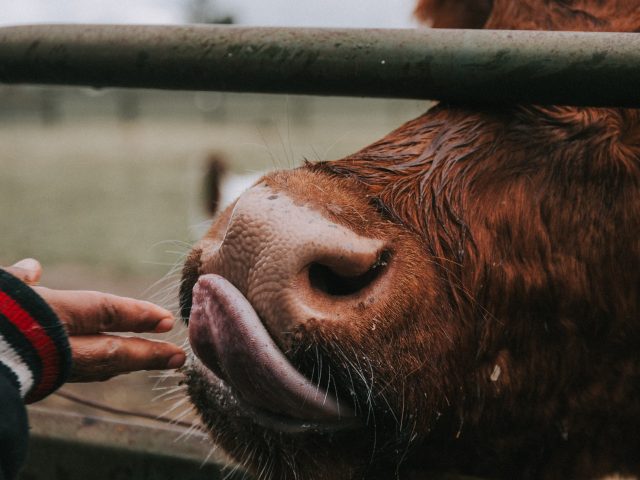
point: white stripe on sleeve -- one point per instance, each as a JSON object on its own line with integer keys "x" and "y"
{"x": 14, "y": 361}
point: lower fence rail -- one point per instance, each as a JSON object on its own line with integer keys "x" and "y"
{"x": 70, "y": 446}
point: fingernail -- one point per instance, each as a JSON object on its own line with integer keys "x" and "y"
{"x": 28, "y": 264}
{"x": 164, "y": 325}
{"x": 176, "y": 361}
{"x": 31, "y": 268}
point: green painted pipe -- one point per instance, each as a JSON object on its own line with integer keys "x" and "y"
{"x": 478, "y": 66}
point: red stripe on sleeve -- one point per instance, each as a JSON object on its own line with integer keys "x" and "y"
{"x": 42, "y": 343}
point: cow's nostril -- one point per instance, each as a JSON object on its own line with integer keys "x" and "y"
{"x": 326, "y": 280}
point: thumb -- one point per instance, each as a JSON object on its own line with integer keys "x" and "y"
{"x": 27, "y": 270}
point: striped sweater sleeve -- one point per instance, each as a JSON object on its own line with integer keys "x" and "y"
{"x": 35, "y": 359}
{"x": 34, "y": 349}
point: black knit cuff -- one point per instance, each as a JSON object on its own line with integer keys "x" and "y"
{"x": 34, "y": 349}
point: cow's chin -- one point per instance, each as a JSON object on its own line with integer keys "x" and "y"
{"x": 271, "y": 446}
{"x": 210, "y": 392}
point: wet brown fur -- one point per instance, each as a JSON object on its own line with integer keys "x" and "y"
{"x": 567, "y": 15}
{"x": 510, "y": 346}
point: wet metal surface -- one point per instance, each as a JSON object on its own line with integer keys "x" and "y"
{"x": 68, "y": 446}
{"x": 454, "y": 65}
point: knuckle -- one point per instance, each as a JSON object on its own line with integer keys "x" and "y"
{"x": 112, "y": 350}
{"x": 157, "y": 350}
{"x": 155, "y": 357}
{"x": 79, "y": 366}
{"x": 160, "y": 353}
{"x": 109, "y": 314}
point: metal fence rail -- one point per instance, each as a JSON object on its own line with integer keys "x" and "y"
{"x": 78, "y": 447}
{"x": 68, "y": 446}
{"x": 599, "y": 69}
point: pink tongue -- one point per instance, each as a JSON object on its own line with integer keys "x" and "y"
{"x": 227, "y": 335}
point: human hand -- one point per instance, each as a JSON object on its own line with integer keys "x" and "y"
{"x": 87, "y": 315}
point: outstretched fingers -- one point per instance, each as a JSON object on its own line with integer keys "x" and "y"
{"x": 87, "y": 315}
{"x": 100, "y": 357}
{"x": 87, "y": 312}
{"x": 96, "y": 355}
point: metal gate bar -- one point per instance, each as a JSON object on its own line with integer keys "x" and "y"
{"x": 78, "y": 447}
{"x": 481, "y": 66}
{"x": 67, "y": 446}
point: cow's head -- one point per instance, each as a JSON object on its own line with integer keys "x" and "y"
{"x": 462, "y": 293}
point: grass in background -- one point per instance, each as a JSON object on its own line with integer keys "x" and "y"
{"x": 125, "y": 196}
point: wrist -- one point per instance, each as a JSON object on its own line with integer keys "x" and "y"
{"x": 34, "y": 348}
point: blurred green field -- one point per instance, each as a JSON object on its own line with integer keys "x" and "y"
{"x": 124, "y": 196}
{"x": 93, "y": 195}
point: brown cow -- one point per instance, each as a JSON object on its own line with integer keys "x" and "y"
{"x": 463, "y": 295}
